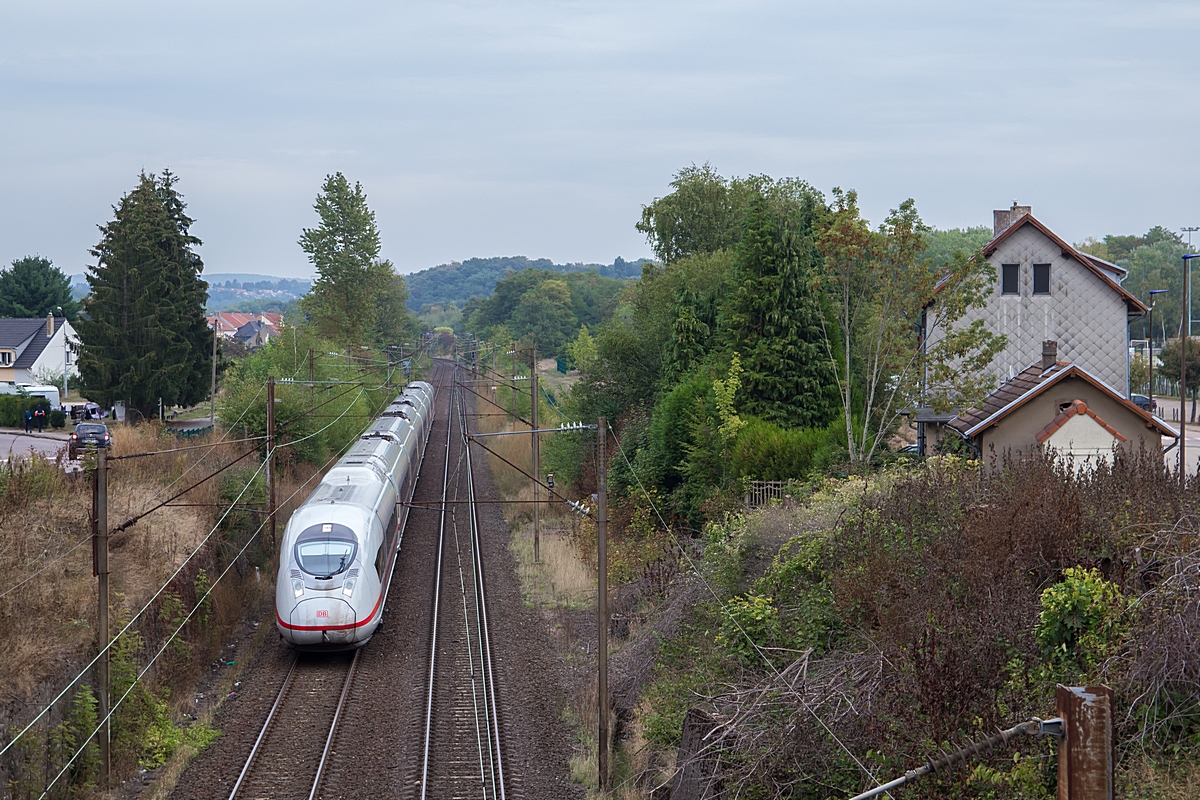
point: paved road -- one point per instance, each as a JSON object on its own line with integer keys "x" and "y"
{"x": 19, "y": 444}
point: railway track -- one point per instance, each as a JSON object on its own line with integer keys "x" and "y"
{"x": 462, "y": 753}
{"x": 289, "y": 757}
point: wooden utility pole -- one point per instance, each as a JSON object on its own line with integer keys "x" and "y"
{"x": 537, "y": 455}
{"x": 512, "y": 385}
{"x": 312, "y": 389}
{"x": 212, "y": 403}
{"x": 100, "y": 568}
{"x": 271, "y": 456}
{"x": 602, "y": 599}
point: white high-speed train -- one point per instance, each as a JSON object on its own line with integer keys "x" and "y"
{"x": 339, "y": 548}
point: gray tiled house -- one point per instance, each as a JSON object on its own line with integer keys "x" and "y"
{"x": 1046, "y": 290}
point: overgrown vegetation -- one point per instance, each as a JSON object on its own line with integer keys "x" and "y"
{"x": 930, "y": 605}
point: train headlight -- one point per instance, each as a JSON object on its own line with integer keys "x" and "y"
{"x": 348, "y": 586}
{"x": 297, "y": 587}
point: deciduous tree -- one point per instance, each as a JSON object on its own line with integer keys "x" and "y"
{"x": 882, "y": 292}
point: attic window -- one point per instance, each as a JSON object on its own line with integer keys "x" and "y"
{"x": 1010, "y": 279}
{"x": 1041, "y": 279}
{"x": 6, "y": 358}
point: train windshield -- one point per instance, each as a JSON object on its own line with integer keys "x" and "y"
{"x": 326, "y": 550}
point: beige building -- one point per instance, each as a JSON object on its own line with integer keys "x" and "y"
{"x": 1046, "y": 290}
{"x": 1064, "y": 407}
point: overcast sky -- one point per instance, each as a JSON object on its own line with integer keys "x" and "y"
{"x": 540, "y": 129}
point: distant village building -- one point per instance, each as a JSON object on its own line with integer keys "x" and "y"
{"x": 255, "y": 333}
{"x": 1063, "y": 407}
{"x": 227, "y": 323}
{"x": 1046, "y": 290}
{"x": 34, "y": 346}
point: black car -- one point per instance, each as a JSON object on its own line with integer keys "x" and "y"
{"x": 1144, "y": 403}
{"x": 88, "y": 434}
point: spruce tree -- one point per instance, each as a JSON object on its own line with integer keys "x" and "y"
{"x": 34, "y": 287}
{"x": 145, "y": 336}
{"x": 774, "y": 322}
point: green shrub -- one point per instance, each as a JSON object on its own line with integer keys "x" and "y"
{"x": 1080, "y": 619}
{"x": 58, "y": 419}
{"x": 13, "y": 406}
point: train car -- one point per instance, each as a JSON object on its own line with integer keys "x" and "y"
{"x": 339, "y": 548}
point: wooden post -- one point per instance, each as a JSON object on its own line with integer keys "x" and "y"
{"x": 602, "y": 600}
{"x": 1085, "y": 752}
{"x": 271, "y": 456}
{"x": 100, "y": 564}
{"x": 537, "y": 455}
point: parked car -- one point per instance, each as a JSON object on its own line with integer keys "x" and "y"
{"x": 1144, "y": 403}
{"x": 88, "y": 434}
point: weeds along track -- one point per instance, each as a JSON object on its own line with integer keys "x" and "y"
{"x": 462, "y": 752}
{"x": 288, "y": 758}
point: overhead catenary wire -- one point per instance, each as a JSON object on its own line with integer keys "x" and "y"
{"x": 171, "y": 638}
{"x": 46, "y": 566}
{"x": 155, "y": 596}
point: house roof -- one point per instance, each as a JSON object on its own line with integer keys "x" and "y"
{"x": 1031, "y": 382}
{"x": 1080, "y": 409}
{"x": 1090, "y": 262}
{"x": 30, "y": 333}
{"x": 229, "y": 321}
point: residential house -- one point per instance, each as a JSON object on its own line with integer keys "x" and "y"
{"x": 255, "y": 333}
{"x": 35, "y": 346}
{"x": 1061, "y": 406}
{"x": 227, "y": 323}
{"x": 1046, "y": 290}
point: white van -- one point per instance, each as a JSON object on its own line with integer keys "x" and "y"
{"x": 49, "y": 392}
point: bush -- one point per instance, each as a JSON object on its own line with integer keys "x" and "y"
{"x": 58, "y": 419}
{"x": 1080, "y": 618}
{"x": 13, "y": 407}
{"x": 765, "y": 451}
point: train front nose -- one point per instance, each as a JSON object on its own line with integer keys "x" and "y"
{"x": 320, "y": 621}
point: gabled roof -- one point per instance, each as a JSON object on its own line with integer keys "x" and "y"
{"x": 1090, "y": 262}
{"x": 230, "y": 321}
{"x": 1031, "y": 382}
{"x": 30, "y": 332}
{"x": 1077, "y": 408}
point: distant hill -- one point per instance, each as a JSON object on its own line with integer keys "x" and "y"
{"x": 459, "y": 281}
{"x": 233, "y": 291}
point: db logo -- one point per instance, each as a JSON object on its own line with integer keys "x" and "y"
{"x": 323, "y": 614}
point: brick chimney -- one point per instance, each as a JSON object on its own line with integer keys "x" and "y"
{"x": 49, "y": 325}
{"x": 1049, "y": 354}
{"x": 1004, "y": 217}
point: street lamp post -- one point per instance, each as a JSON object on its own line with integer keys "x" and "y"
{"x": 63, "y": 399}
{"x": 1150, "y": 341}
{"x": 1187, "y": 262}
{"x": 1189, "y": 230}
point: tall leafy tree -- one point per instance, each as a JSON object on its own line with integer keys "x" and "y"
{"x": 881, "y": 291}
{"x": 34, "y": 287}
{"x": 144, "y": 336}
{"x": 776, "y": 322}
{"x": 353, "y": 285}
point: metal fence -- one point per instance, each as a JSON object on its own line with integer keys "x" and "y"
{"x": 759, "y": 493}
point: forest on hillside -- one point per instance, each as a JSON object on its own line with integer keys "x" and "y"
{"x": 457, "y": 282}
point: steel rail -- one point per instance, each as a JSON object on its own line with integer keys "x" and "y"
{"x": 437, "y": 592}
{"x": 337, "y": 715}
{"x": 266, "y": 727}
{"x": 486, "y": 641}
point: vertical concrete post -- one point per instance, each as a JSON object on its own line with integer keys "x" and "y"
{"x": 271, "y": 456}
{"x": 602, "y": 598}
{"x": 1085, "y": 752}
{"x": 212, "y": 403}
{"x": 537, "y": 455}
